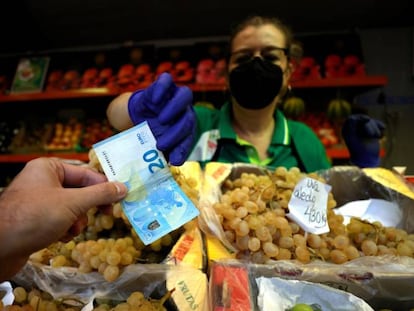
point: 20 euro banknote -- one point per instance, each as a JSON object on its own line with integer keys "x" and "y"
{"x": 155, "y": 204}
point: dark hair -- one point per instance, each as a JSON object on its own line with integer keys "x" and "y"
{"x": 257, "y": 21}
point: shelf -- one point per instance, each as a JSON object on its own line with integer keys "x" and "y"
{"x": 363, "y": 81}
{"x": 81, "y": 93}
{"x": 207, "y": 87}
{"x": 23, "y": 158}
{"x": 339, "y": 153}
{"x": 334, "y": 153}
{"x": 342, "y": 153}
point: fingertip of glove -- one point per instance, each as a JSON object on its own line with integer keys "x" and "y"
{"x": 176, "y": 160}
{"x": 185, "y": 93}
{"x": 180, "y": 153}
{"x": 380, "y": 124}
{"x": 164, "y": 78}
{"x": 133, "y": 97}
{"x": 187, "y": 89}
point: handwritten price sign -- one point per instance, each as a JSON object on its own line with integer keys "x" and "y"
{"x": 308, "y": 205}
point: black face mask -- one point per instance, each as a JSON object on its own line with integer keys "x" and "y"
{"x": 256, "y": 83}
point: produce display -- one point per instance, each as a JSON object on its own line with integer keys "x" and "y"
{"x": 54, "y": 136}
{"x": 307, "y": 69}
{"x": 332, "y": 66}
{"x": 38, "y": 300}
{"x": 338, "y": 109}
{"x": 253, "y": 208}
{"x": 27, "y": 137}
{"x": 294, "y": 107}
{"x": 326, "y": 125}
{"x": 110, "y": 255}
{"x": 366, "y": 258}
{"x": 210, "y": 71}
{"x": 7, "y": 133}
{"x": 252, "y": 212}
{"x": 130, "y": 77}
{"x": 71, "y": 79}
{"x": 65, "y": 136}
{"x": 336, "y": 66}
{"x": 94, "y": 131}
{"x": 328, "y": 131}
{"x": 4, "y": 83}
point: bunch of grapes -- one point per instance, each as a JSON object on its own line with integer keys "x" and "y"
{"x": 108, "y": 256}
{"x": 37, "y": 300}
{"x": 136, "y": 301}
{"x": 187, "y": 184}
{"x": 253, "y": 208}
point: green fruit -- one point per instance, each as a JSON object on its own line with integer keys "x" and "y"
{"x": 294, "y": 107}
{"x": 301, "y": 307}
{"x": 338, "y": 109}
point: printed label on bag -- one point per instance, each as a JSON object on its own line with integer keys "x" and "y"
{"x": 155, "y": 204}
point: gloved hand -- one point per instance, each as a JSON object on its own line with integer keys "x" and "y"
{"x": 170, "y": 115}
{"x": 362, "y": 136}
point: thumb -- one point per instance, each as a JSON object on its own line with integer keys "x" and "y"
{"x": 99, "y": 194}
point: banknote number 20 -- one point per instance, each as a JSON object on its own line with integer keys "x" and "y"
{"x": 154, "y": 161}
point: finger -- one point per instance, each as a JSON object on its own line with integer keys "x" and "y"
{"x": 75, "y": 229}
{"x": 149, "y": 102}
{"x": 179, "y": 154}
{"x": 96, "y": 195}
{"x": 360, "y": 118}
{"x": 80, "y": 176}
{"x": 183, "y": 127}
{"x": 161, "y": 90}
{"x": 52, "y": 168}
{"x": 380, "y": 124}
{"x": 106, "y": 209}
{"x": 177, "y": 105}
{"x": 372, "y": 130}
{"x": 139, "y": 108}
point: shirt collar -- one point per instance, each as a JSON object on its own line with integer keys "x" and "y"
{"x": 226, "y": 130}
{"x": 280, "y": 135}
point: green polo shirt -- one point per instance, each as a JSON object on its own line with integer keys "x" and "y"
{"x": 293, "y": 143}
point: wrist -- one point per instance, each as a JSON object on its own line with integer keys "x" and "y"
{"x": 11, "y": 261}
{"x": 366, "y": 162}
{"x": 10, "y": 266}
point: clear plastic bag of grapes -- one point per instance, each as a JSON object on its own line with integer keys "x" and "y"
{"x": 172, "y": 285}
{"x": 363, "y": 256}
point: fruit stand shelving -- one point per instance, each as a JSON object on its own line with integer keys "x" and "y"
{"x": 353, "y": 82}
{"x": 102, "y": 96}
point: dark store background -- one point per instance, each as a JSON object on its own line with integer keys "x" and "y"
{"x": 385, "y": 29}
{"x": 48, "y": 24}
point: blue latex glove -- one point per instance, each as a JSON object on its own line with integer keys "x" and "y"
{"x": 170, "y": 115}
{"x": 362, "y": 136}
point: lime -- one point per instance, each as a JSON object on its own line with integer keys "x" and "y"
{"x": 301, "y": 307}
